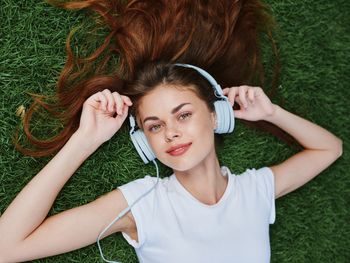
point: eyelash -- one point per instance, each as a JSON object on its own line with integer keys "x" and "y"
{"x": 186, "y": 114}
{"x": 182, "y": 117}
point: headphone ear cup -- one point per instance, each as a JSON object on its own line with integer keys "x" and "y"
{"x": 140, "y": 142}
{"x": 219, "y": 117}
{"x": 224, "y": 116}
{"x": 230, "y": 116}
{"x": 146, "y": 147}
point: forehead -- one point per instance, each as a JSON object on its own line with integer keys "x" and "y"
{"x": 165, "y": 98}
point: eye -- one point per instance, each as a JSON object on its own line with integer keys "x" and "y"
{"x": 154, "y": 128}
{"x": 185, "y": 115}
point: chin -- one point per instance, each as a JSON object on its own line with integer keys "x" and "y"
{"x": 183, "y": 163}
{"x": 180, "y": 167}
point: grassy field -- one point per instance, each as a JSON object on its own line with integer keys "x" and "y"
{"x": 312, "y": 223}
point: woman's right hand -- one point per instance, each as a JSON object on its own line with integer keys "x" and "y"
{"x": 102, "y": 116}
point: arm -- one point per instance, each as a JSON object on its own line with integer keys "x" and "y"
{"x": 322, "y": 148}
{"x": 25, "y": 234}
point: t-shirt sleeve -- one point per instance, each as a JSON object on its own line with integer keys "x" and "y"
{"x": 264, "y": 180}
{"x": 142, "y": 211}
{"x": 267, "y": 183}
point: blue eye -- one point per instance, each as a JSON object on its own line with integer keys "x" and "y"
{"x": 185, "y": 115}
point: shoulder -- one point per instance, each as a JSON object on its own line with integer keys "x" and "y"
{"x": 259, "y": 180}
{"x": 137, "y": 187}
{"x": 254, "y": 175}
{"x": 141, "y": 198}
{"x": 263, "y": 171}
{"x": 258, "y": 186}
{"x": 142, "y": 193}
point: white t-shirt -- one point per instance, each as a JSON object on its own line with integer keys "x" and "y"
{"x": 173, "y": 226}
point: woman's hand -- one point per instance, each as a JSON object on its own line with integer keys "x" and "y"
{"x": 102, "y": 116}
{"x": 254, "y": 104}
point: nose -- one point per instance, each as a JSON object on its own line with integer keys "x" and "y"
{"x": 172, "y": 133}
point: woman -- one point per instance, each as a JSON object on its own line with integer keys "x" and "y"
{"x": 174, "y": 108}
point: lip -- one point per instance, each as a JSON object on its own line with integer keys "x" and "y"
{"x": 178, "y": 149}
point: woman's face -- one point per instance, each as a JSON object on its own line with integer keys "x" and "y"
{"x": 178, "y": 125}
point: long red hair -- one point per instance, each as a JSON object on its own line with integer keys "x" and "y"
{"x": 220, "y": 36}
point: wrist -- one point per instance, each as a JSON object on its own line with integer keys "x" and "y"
{"x": 84, "y": 142}
{"x": 274, "y": 113}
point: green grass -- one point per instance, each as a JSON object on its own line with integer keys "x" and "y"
{"x": 312, "y": 223}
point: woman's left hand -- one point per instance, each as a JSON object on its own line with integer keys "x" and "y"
{"x": 253, "y": 102}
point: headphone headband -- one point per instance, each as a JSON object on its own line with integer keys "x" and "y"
{"x": 212, "y": 81}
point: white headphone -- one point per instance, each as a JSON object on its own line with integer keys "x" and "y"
{"x": 223, "y": 109}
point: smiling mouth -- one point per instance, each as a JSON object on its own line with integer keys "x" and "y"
{"x": 179, "y": 150}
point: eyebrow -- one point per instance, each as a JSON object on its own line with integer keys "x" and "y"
{"x": 173, "y": 111}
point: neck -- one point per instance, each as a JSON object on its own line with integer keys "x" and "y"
{"x": 204, "y": 181}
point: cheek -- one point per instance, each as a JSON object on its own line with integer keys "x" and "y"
{"x": 204, "y": 133}
{"x": 156, "y": 141}
{"x": 201, "y": 128}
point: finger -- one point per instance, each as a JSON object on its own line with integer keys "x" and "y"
{"x": 259, "y": 91}
{"x": 251, "y": 95}
{"x": 102, "y": 99}
{"x": 126, "y": 100}
{"x": 225, "y": 91}
{"x": 125, "y": 110}
{"x": 119, "y": 103}
{"x": 232, "y": 95}
{"x": 123, "y": 116}
{"x": 110, "y": 100}
{"x": 242, "y": 95}
{"x": 239, "y": 103}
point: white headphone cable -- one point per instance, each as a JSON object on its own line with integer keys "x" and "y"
{"x": 122, "y": 213}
